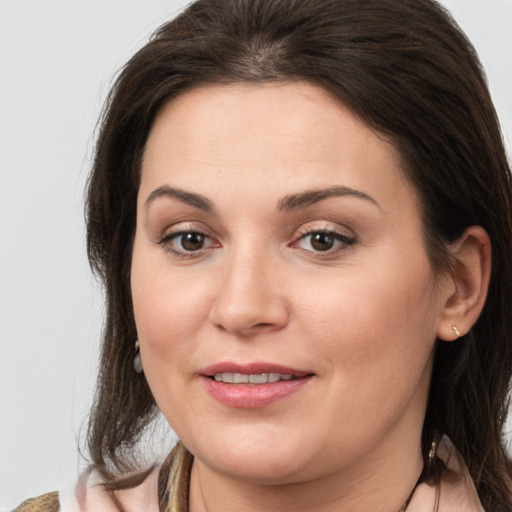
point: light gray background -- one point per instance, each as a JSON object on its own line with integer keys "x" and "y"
{"x": 57, "y": 59}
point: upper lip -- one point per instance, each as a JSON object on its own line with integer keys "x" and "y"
{"x": 251, "y": 369}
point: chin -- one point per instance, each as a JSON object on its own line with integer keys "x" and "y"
{"x": 259, "y": 469}
{"x": 260, "y": 459}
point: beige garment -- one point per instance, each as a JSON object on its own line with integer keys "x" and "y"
{"x": 46, "y": 503}
{"x": 166, "y": 490}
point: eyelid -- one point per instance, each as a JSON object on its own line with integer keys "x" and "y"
{"x": 323, "y": 227}
{"x": 177, "y": 228}
{"x": 346, "y": 240}
{"x": 174, "y": 232}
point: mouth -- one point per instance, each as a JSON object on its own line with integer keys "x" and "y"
{"x": 254, "y": 385}
{"x": 252, "y": 373}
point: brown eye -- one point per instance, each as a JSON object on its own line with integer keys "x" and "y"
{"x": 185, "y": 243}
{"x": 322, "y": 241}
{"x": 192, "y": 241}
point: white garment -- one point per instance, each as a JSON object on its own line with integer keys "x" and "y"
{"x": 88, "y": 495}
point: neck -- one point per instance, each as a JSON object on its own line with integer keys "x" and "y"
{"x": 379, "y": 483}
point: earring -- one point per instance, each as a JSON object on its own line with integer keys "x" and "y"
{"x": 137, "y": 361}
{"x": 432, "y": 456}
{"x": 432, "y": 453}
{"x": 456, "y": 331}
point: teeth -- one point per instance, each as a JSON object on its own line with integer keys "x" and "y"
{"x": 256, "y": 378}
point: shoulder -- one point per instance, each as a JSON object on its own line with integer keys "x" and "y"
{"x": 165, "y": 487}
{"x": 453, "y": 489}
{"x": 89, "y": 494}
{"x": 456, "y": 482}
{"x": 46, "y": 503}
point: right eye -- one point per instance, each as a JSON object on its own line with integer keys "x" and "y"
{"x": 184, "y": 243}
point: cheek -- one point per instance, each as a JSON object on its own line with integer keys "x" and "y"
{"x": 169, "y": 313}
{"x": 373, "y": 319}
{"x": 373, "y": 335}
{"x": 169, "y": 310}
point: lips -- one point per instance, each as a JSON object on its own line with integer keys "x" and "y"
{"x": 252, "y": 369}
{"x": 253, "y": 385}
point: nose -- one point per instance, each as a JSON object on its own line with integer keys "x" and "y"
{"x": 249, "y": 298}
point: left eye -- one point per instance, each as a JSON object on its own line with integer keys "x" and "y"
{"x": 323, "y": 241}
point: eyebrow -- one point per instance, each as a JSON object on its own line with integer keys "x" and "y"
{"x": 195, "y": 200}
{"x": 310, "y": 197}
{"x": 288, "y": 203}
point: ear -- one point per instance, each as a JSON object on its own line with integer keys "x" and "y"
{"x": 465, "y": 289}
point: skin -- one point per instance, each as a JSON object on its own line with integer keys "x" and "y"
{"x": 362, "y": 317}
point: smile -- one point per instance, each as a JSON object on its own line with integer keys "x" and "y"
{"x": 254, "y": 385}
{"x": 254, "y": 378}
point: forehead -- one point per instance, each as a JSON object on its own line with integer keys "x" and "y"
{"x": 293, "y": 135}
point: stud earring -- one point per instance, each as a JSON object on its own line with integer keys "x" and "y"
{"x": 456, "y": 331}
{"x": 137, "y": 361}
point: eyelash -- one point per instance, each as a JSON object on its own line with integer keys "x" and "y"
{"x": 166, "y": 243}
{"x": 344, "y": 242}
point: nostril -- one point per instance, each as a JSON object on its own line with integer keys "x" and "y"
{"x": 262, "y": 325}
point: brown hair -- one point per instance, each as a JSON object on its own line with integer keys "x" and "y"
{"x": 406, "y": 69}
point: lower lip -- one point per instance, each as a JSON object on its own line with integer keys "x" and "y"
{"x": 252, "y": 396}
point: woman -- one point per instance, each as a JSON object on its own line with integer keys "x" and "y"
{"x": 301, "y": 211}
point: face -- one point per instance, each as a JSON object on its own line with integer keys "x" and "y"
{"x": 285, "y": 306}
